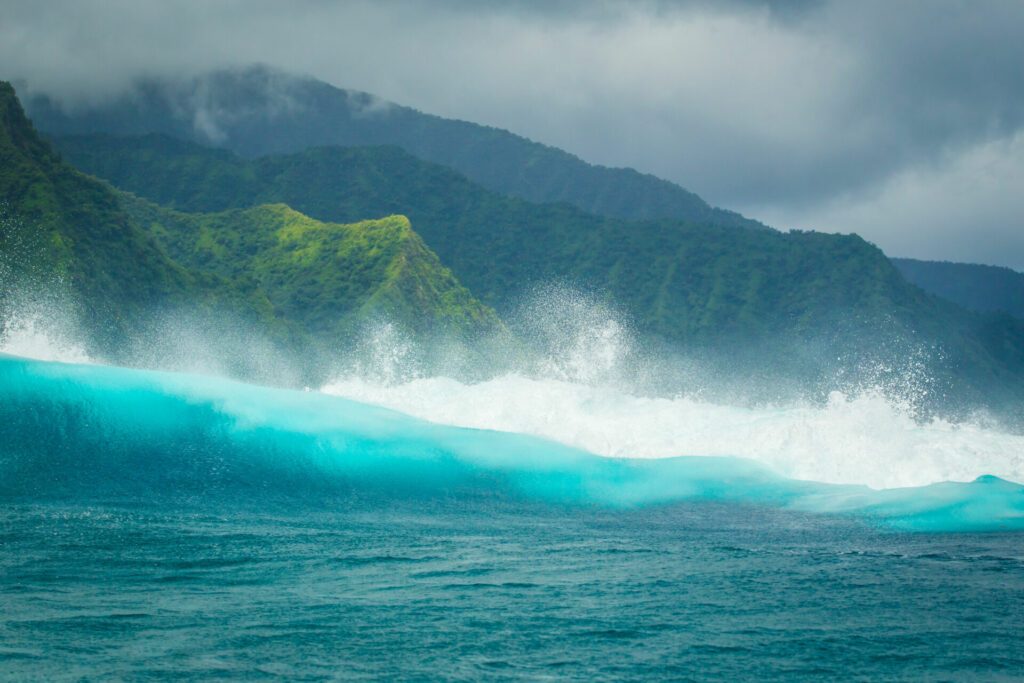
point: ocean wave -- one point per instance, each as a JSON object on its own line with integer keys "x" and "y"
{"x": 865, "y": 439}
{"x": 78, "y": 430}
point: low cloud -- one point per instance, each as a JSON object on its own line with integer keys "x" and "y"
{"x": 969, "y": 206}
{"x": 829, "y": 114}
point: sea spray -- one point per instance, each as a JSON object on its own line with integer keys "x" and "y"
{"x": 39, "y": 318}
{"x": 850, "y": 440}
{"x": 572, "y": 335}
{"x": 77, "y": 432}
{"x": 32, "y": 336}
{"x": 586, "y": 382}
{"x": 580, "y": 382}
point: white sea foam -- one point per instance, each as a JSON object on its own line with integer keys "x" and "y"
{"x": 863, "y": 440}
{"x": 576, "y": 389}
{"x": 580, "y": 392}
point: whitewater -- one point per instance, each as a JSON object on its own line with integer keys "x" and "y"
{"x": 580, "y": 395}
{"x": 74, "y": 430}
{"x": 582, "y": 391}
{"x": 850, "y": 440}
{"x": 553, "y": 522}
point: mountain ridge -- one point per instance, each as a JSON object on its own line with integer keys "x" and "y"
{"x": 326, "y": 277}
{"x": 257, "y": 110}
{"x": 974, "y": 286}
{"x": 743, "y": 295}
{"x": 113, "y": 256}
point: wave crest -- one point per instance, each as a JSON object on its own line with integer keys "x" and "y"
{"x": 90, "y": 431}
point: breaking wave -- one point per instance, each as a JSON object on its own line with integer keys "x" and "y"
{"x": 580, "y": 388}
{"x": 865, "y": 439}
{"x": 567, "y": 422}
{"x": 81, "y": 431}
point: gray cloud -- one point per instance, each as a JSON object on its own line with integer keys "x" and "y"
{"x": 965, "y": 207}
{"x": 873, "y": 117}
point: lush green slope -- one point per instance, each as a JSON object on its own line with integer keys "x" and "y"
{"x": 298, "y": 282}
{"x": 797, "y": 300}
{"x": 322, "y": 278}
{"x": 259, "y": 111}
{"x": 64, "y": 227}
{"x": 977, "y": 287}
{"x": 683, "y": 281}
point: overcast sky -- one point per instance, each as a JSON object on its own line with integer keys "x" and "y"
{"x": 902, "y": 121}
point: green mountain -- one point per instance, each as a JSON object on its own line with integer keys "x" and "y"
{"x": 259, "y": 111}
{"x": 62, "y": 226}
{"x": 324, "y": 279}
{"x": 976, "y": 287}
{"x": 302, "y": 284}
{"x": 800, "y": 304}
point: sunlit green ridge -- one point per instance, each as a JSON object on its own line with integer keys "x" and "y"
{"x": 121, "y": 260}
{"x": 324, "y": 278}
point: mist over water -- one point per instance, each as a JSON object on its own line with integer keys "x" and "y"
{"x": 32, "y": 337}
{"x": 587, "y": 383}
{"x": 584, "y": 379}
{"x": 162, "y": 516}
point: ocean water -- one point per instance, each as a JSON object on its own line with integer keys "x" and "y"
{"x": 160, "y": 525}
{"x": 496, "y": 591}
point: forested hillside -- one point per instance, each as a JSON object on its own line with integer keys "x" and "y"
{"x": 747, "y": 293}
{"x": 121, "y": 263}
{"x": 62, "y": 226}
{"x": 322, "y": 278}
{"x": 973, "y": 286}
{"x": 258, "y": 111}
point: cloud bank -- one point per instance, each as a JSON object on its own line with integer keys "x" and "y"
{"x": 898, "y": 121}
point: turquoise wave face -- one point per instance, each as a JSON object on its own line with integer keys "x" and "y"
{"x": 103, "y": 432}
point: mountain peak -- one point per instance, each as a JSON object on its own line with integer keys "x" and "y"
{"x": 15, "y": 128}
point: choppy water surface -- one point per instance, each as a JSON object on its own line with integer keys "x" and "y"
{"x": 471, "y": 590}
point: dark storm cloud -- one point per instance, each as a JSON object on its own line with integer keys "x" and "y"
{"x": 884, "y": 118}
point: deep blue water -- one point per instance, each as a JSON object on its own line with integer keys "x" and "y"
{"x": 160, "y": 526}
{"x": 470, "y": 591}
